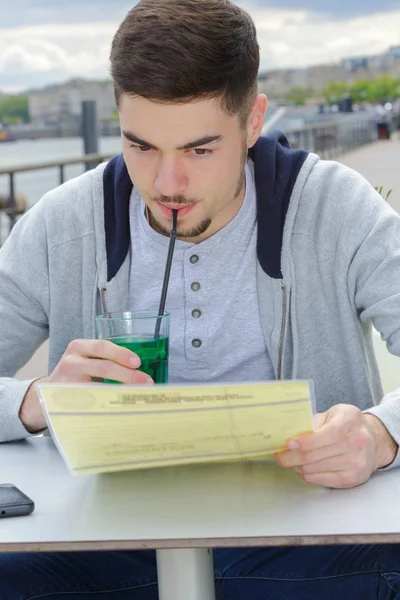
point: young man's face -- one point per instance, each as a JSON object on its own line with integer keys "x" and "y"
{"x": 190, "y": 157}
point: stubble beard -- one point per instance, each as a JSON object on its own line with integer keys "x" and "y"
{"x": 201, "y": 227}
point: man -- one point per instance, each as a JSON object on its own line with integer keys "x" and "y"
{"x": 282, "y": 262}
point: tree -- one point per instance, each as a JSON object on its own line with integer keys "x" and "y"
{"x": 335, "y": 91}
{"x": 14, "y": 109}
{"x": 382, "y": 89}
{"x": 298, "y": 95}
{"x": 359, "y": 90}
{"x": 115, "y": 115}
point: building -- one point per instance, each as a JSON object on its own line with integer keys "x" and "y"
{"x": 277, "y": 83}
{"x": 58, "y": 107}
{"x": 352, "y": 64}
{"x": 61, "y": 105}
{"x": 393, "y": 53}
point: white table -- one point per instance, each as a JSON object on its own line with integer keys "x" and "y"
{"x": 183, "y": 512}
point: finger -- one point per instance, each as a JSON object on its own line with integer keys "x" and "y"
{"x": 320, "y": 419}
{"x": 107, "y": 369}
{"x": 340, "y": 422}
{"x": 106, "y": 350}
{"x": 77, "y": 366}
{"x": 354, "y": 442}
{"x": 338, "y": 479}
{"x": 344, "y": 462}
{"x": 290, "y": 458}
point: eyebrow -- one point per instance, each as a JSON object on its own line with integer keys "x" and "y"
{"x": 203, "y": 141}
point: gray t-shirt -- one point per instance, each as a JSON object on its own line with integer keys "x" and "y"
{"x": 216, "y": 333}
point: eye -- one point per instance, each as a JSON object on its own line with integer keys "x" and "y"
{"x": 140, "y": 148}
{"x": 202, "y": 152}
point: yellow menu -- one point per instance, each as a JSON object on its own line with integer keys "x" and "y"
{"x": 100, "y": 428}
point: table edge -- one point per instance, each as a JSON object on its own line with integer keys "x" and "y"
{"x": 248, "y": 542}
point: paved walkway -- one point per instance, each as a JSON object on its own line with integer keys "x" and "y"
{"x": 379, "y": 163}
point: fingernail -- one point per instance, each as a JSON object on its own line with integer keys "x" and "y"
{"x": 293, "y": 445}
{"x": 135, "y": 361}
{"x": 149, "y": 380}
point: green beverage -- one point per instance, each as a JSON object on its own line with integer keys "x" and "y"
{"x": 144, "y": 333}
{"x": 152, "y": 352}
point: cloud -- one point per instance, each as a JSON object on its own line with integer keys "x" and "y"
{"x": 41, "y": 12}
{"x": 336, "y": 9}
{"x": 297, "y": 38}
{"x": 35, "y": 55}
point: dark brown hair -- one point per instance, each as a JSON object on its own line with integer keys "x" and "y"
{"x": 180, "y": 50}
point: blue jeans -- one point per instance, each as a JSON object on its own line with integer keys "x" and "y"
{"x": 301, "y": 573}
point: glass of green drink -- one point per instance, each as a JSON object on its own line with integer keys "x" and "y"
{"x": 145, "y": 334}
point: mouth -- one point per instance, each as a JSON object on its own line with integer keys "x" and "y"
{"x": 183, "y": 210}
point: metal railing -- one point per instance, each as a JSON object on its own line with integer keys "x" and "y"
{"x": 332, "y": 139}
{"x": 329, "y": 139}
{"x": 11, "y": 208}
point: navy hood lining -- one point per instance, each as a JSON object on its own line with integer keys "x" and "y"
{"x": 276, "y": 168}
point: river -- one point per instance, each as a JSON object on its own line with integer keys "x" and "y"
{"x": 33, "y": 184}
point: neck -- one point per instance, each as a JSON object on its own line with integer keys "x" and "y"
{"x": 223, "y": 218}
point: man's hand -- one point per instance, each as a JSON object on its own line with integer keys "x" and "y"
{"x": 82, "y": 361}
{"x": 343, "y": 452}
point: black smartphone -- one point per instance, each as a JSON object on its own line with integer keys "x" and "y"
{"x": 14, "y": 503}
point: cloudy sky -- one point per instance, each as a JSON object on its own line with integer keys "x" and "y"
{"x": 42, "y": 43}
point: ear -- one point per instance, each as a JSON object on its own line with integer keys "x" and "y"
{"x": 256, "y": 119}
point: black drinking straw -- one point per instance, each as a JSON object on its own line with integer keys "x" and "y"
{"x": 167, "y": 273}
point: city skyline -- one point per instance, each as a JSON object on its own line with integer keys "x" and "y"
{"x": 41, "y": 46}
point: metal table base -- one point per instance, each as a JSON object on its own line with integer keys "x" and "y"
{"x": 186, "y": 574}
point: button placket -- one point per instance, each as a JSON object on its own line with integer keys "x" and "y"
{"x": 196, "y": 326}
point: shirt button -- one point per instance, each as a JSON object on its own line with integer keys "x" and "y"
{"x": 196, "y": 314}
{"x": 196, "y": 343}
{"x": 195, "y": 286}
{"x": 194, "y": 259}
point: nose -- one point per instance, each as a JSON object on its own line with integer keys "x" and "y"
{"x": 170, "y": 178}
